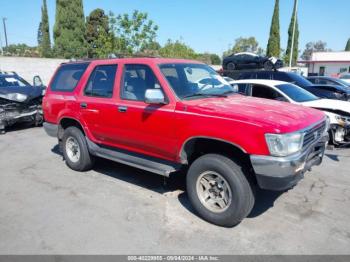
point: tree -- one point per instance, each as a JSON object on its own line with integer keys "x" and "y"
{"x": 69, "y": 29}
{"x": 311, "y": 47}
{"x": 215, "y": 59}
{"x": 245, "y": 45}
{"x": 347, "y": 47}
{"x": 44, "y": 41}
{"x": 97, "y": 26}
{"x": 21, "y": 50}
{"x": 133, "y": 33}
{"x": 242, "y": 44}
{"x": 273, "y": 45}
{"x": 290, "y": 39}
{"x": 177, "y": 49}
{"x": 150, "y": 49}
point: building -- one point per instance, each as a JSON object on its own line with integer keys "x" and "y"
{"x": 328, "y": 63}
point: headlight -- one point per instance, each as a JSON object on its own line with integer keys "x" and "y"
{"x": 340, "y": 120}
{"x": 15, "y": 97}
{"x": 284, "y": 144}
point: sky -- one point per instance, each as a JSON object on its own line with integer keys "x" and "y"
{"x": 205, "y": 25}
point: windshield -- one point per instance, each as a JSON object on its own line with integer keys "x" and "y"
{"x": 191, "y": 80}
{"x": 299, "y": 80}
{"x": 296, "y": 93}
{"x": 8, "y": 81}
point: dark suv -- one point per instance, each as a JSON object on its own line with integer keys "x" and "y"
{"x": 323, "y": 91}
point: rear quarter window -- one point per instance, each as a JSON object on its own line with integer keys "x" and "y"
{"x": 67, "y": 77}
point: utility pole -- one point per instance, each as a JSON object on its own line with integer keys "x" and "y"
{"x": 5, "y": 32}
{"x": 1, "y": 49}
{"x": 293, "y": 35}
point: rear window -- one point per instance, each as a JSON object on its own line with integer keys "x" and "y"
{"x": 67, "y": 77}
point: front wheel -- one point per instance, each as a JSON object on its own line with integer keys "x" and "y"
{"x": 219, "y": 190}
{"x": 75, "y": 150}
{"x": 268, "y": 65}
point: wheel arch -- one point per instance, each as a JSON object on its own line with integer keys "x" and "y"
{"x": 195, "y": 146}
{"x": 66, "y": 122}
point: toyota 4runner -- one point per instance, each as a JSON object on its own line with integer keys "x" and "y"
{"x": 163, "y": 115}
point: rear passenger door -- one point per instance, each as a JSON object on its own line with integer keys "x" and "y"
{"x": 144, "y": 128}
{"x": 97, "y": 105}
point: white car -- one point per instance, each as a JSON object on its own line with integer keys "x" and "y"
{"x": 345, "y": 77}
{"x": 338, "y": 111}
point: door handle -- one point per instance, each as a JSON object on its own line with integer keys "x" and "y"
{"x": 122, "y": 109}
{"x": 83, "y": 105}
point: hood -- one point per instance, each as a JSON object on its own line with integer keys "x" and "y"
{"x": 30, "y": 91}
{"x": 330, "y": 104}
{"x": 275, "y": 116}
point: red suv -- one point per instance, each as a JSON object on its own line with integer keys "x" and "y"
{"x": 163, "y": 115}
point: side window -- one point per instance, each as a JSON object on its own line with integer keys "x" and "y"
{"x": 242, "y": 88}
{"x": 266, "y": 92}
{"x": 136, "y": 80}
{"x": 67, "y": 77}
{"x": 101, "y": 81}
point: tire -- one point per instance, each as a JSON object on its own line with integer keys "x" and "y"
{"x": 231, "y": 66}
{"x": 78, "y": 162}
{"x": 242, "y": 194}
{"x": 268, "y": 65}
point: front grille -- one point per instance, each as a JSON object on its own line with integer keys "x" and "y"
{"x": 314, "y": 133}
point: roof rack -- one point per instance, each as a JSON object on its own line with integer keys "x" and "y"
{"x": 8, "y": 73}
{"x": 113, "y": 56}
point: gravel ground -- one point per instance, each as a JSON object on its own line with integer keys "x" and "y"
{"x": 46, "y": 208}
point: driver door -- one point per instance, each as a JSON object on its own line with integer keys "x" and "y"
{"x": 142, "y": 127}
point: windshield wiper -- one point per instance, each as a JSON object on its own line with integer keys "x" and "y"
{"x": 205, "y": 95}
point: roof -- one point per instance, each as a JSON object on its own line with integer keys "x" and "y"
{"x": 246, "y": 53}
{"x": 335, "y": 57}
{"x": 260, "y": 81}
{"x": 138, "y": 60}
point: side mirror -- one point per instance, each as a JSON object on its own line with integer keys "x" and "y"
{"x": 37, "y": 81}
{"x": 154, "y": 96}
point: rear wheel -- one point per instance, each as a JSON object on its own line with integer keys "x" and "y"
{"x": 231, "y": 66}
{"x": 219, "y": 190}
{"x": 75, "y": 150}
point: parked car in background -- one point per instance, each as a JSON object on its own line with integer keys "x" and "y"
{"x": 19, "y": 100}
{"x": 345, "y": 77}
{"x": 322, "y": 91}
{"x": 154, "y": 114}
{"x": 338, "y": 111}
{"x": 247, "y": 60}
{"x": 326, "y": 80}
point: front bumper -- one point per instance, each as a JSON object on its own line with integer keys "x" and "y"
{"x": 12, "y": 116}
{"x": 281, "y": 173}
